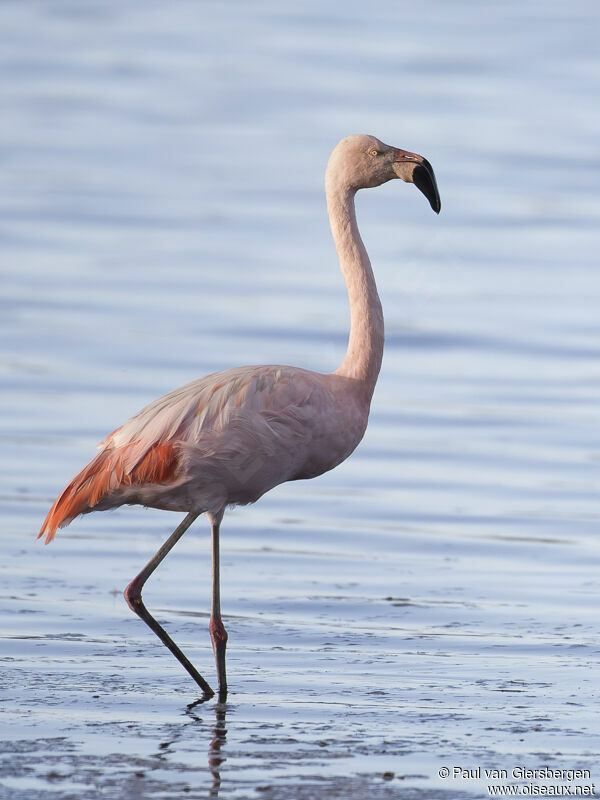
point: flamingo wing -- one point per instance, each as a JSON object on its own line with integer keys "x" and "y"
{"x": 225, "y": 438}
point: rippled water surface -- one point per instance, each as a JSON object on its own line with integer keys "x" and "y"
{"x": 432, "y": 602}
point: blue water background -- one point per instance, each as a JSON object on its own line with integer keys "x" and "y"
{"x": 431, "y": 602}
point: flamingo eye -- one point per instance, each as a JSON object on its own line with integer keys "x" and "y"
{"x": 373, "y": 152}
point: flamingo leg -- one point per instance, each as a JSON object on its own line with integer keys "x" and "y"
{"x": 133, "y": 596}
{"x": 218, "y": 634}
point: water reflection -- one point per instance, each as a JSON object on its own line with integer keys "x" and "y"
{"x": 219, "y": 737}
{"x": 180, "y": 736}
{"x": 215, "y": 758}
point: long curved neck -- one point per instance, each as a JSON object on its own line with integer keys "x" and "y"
{"x": 365, "y": 345}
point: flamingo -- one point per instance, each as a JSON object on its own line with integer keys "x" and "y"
{"x": 228, "y": 438}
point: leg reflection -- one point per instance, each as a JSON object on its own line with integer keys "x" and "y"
{"x": 219, "y": 737}
{"x": 215, "y": 758}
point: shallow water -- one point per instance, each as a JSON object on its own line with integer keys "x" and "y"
{"x": 430, "y": 603}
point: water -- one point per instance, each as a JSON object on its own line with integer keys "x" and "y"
{"x": 430, "y": 603}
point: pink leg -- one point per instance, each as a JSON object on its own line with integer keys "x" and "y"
{"x": 218, "y": 634}
{"x": 133, "y": 596}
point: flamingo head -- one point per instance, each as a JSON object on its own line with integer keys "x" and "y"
{"x": 364, "y": 161}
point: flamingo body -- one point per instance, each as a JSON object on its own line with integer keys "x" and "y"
{"x": 228, "y": 438}
{"x": 222, "y": 440}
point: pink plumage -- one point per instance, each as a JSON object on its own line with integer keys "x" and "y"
{"x": 222, "y": 440}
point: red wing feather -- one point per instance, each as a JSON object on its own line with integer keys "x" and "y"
{"x": 104, "y": 474}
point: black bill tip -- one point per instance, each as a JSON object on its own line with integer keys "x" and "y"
{"x": 424, "y": 179}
